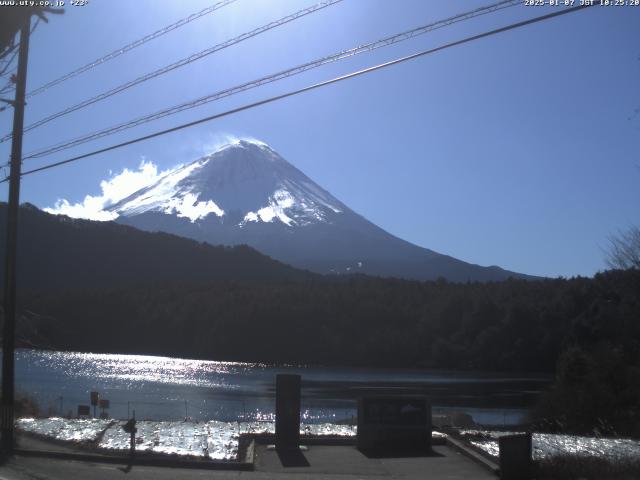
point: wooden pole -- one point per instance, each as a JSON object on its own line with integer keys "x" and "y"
{"x": 8, "y": 337}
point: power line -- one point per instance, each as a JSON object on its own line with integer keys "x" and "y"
{"x": 396, "y": 38}
{"x": 130, "y": 46}
{"x": 311, "y": 87}
{"x": 180, "y": 63}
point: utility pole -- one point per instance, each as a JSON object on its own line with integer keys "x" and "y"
{"x": 8, "y": 336}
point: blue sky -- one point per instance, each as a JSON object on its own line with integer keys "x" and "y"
{"x": 519, "y": 150}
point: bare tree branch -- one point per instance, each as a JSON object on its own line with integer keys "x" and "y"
{"x": 624, "y": 250}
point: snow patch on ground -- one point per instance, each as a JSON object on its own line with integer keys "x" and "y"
{"x": 178, "y": 438}
{"x": 214, "y": 439}
{"x": 547, "y": 445}
{"x": 72, "y": 430}
{"x": 160, "y": 195}
{"x": 189, "y": 207}
{"x": 278, "y": 203}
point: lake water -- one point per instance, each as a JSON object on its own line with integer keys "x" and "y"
{"x": 162, "y": 388}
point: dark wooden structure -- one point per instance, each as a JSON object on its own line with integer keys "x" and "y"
{"x": 394, "y": 424}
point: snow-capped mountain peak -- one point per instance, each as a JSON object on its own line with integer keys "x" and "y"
{"x": 245, "y": 177}
{"x": 246, "y": 193}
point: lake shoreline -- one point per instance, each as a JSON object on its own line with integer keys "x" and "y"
{"x": 165, "y": 388}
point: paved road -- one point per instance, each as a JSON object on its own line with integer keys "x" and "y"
{"x": 318, "y": 463}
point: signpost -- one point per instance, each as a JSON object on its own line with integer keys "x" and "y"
{"x": 94, "y": 401}
{"x": 130, "y": 428}
{"x": 104, "y": 405}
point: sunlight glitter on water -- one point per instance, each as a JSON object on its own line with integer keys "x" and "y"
{"x": 141, "y": 368}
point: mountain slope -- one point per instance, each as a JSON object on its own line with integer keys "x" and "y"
{"x": 58, "y": 252}
{"x": 245, "y": 193}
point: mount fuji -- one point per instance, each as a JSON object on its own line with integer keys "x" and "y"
{"x": 246, "y": 193}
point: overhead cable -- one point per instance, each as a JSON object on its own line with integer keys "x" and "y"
{"x": 130, "y": 46}
{"x": 390, "y": 40}
{"x": 180, "y": 63}
{"x": 422, "y": 53}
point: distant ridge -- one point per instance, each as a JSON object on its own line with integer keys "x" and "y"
{"x": 58, "y": 252}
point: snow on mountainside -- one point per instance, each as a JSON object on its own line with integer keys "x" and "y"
{"x": 246, "y": 193}
{"x": 244, "y": 176}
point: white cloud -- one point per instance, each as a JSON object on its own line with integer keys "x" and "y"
{"x": 114, "y": 189}
{"x": 120, "y": 185}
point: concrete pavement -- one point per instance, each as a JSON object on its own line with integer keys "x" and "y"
{"x": 319, "y": 462}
